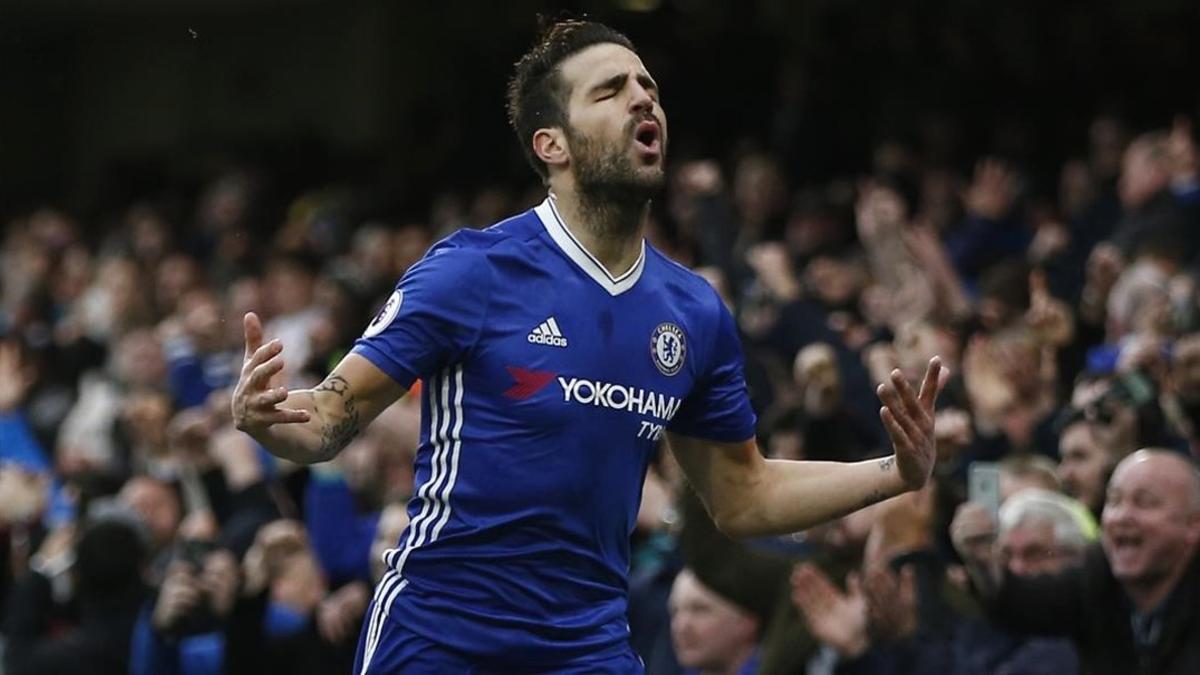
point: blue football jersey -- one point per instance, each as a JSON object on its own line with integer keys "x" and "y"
{"x": 547, "y": 385}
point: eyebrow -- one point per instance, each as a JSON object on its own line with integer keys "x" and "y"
{"x": 617, "y": 81}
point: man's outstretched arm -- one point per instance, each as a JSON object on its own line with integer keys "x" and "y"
{"x": 306, "y": 425}
{"x": 749, "y": 496}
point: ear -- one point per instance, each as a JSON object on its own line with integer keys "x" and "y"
{"x": 550, "y": 146}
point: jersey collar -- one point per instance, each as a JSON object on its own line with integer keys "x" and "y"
{"x": 548, "y": 213}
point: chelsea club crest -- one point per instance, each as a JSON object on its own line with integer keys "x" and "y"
{"x": 667, "y": 348}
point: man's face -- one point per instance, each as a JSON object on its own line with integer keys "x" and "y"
{"x": 1151, "y": 521}
{"x": 1084, "y": 466}
{"x": 816, "y": 374}
{"x": 1142, "y": 176}
{"x": 709, "y": 632}
{"x": 616, "y": 130}
{"x": 1029, "y": 548}
{"x": 157, "y": 505}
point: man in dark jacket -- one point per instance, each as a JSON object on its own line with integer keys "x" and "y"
{"x": 1134, "y": 606}
{"x": 108, "y": 576}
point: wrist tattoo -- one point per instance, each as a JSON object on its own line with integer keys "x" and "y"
{"x": 886, "y": 463}
{"x": 334, "y": 437}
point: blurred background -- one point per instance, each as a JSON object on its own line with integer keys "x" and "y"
{"x": 109, "y": 101}
{"x": 1014, "y": 186}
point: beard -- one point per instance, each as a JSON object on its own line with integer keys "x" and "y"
{"x": 606, "y": 175}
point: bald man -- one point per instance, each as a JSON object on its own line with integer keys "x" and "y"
{"x": 1133, "y": 607}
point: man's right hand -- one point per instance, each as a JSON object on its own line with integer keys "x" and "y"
{"x": 255, "y": 401}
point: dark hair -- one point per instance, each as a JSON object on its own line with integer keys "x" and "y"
{"x": 1007, "y": 281}
{"x": 536, "y": 93}
{"x": 108, "y": 558}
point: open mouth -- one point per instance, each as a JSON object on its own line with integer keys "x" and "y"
{"x": 647, "y": 137}
{"x": 1126, "y": 543}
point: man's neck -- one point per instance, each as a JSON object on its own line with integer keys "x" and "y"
{"x": 609, "y": 230}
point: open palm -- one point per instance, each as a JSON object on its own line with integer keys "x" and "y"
{"x": 908, "y": 417}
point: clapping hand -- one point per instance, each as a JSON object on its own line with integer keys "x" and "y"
{"x": 837, "y": 619}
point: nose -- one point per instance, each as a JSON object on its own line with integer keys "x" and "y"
{"x": 640, "y": 100}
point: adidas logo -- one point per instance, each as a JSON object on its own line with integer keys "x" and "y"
{"x": 547, "y": 333}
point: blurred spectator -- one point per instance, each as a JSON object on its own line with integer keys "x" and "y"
{"x": 107, "y": 585}
{"x": 1019, "y": 472}
{"x": 1181, "y": 402}
{"x": 1130, "y": 607}
{"x": 712, "y": 635}
{"x": 829, "y": 430}
{"x": 288, "y": 286}
{"x": 200, "y": 359}
{"x": 1039, "y": 533}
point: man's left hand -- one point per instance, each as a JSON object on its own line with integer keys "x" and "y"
{"x": 908, "y": 418}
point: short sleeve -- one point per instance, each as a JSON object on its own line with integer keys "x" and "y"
{"x": 718, "y": 407}
{"x": 432, "y": 318}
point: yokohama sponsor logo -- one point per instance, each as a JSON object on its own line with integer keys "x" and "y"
{"x": 619, "y": 397}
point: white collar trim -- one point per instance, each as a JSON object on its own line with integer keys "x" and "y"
{"x": 552, "y": 221}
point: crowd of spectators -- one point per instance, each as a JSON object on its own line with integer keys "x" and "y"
{"x": 141, "y": 533}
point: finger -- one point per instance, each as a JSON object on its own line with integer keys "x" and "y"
{"x": 899, "y": 438}
{"x": 908, "y": 397}
{"x": 854, "y": 585}
{"x": 254, "y": 332}
{"x": 261, "y": 355}
{"x": 932, "y": 383}
{"x": 900, "y": 414}
{"x": 822, "y": 583}
{"x": 802, "y": 579}
{"x": 260, "y": 377}
{"x": 802, "y": 570}
{"x": 285, "y": 416}
{"x": 269, "y": 398}
{"x": 807, "y": 599}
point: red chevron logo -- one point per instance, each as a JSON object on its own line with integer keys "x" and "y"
{"x": 528, "y": 382}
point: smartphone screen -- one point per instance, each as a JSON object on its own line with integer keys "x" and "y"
{"x": 983, "y": 486}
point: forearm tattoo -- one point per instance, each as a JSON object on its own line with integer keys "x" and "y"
{"x": 875, "y": 497}
{"x": 871, "y": 499}
{"x": 334, "y": 437}
{"x": 886, "y": 463}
